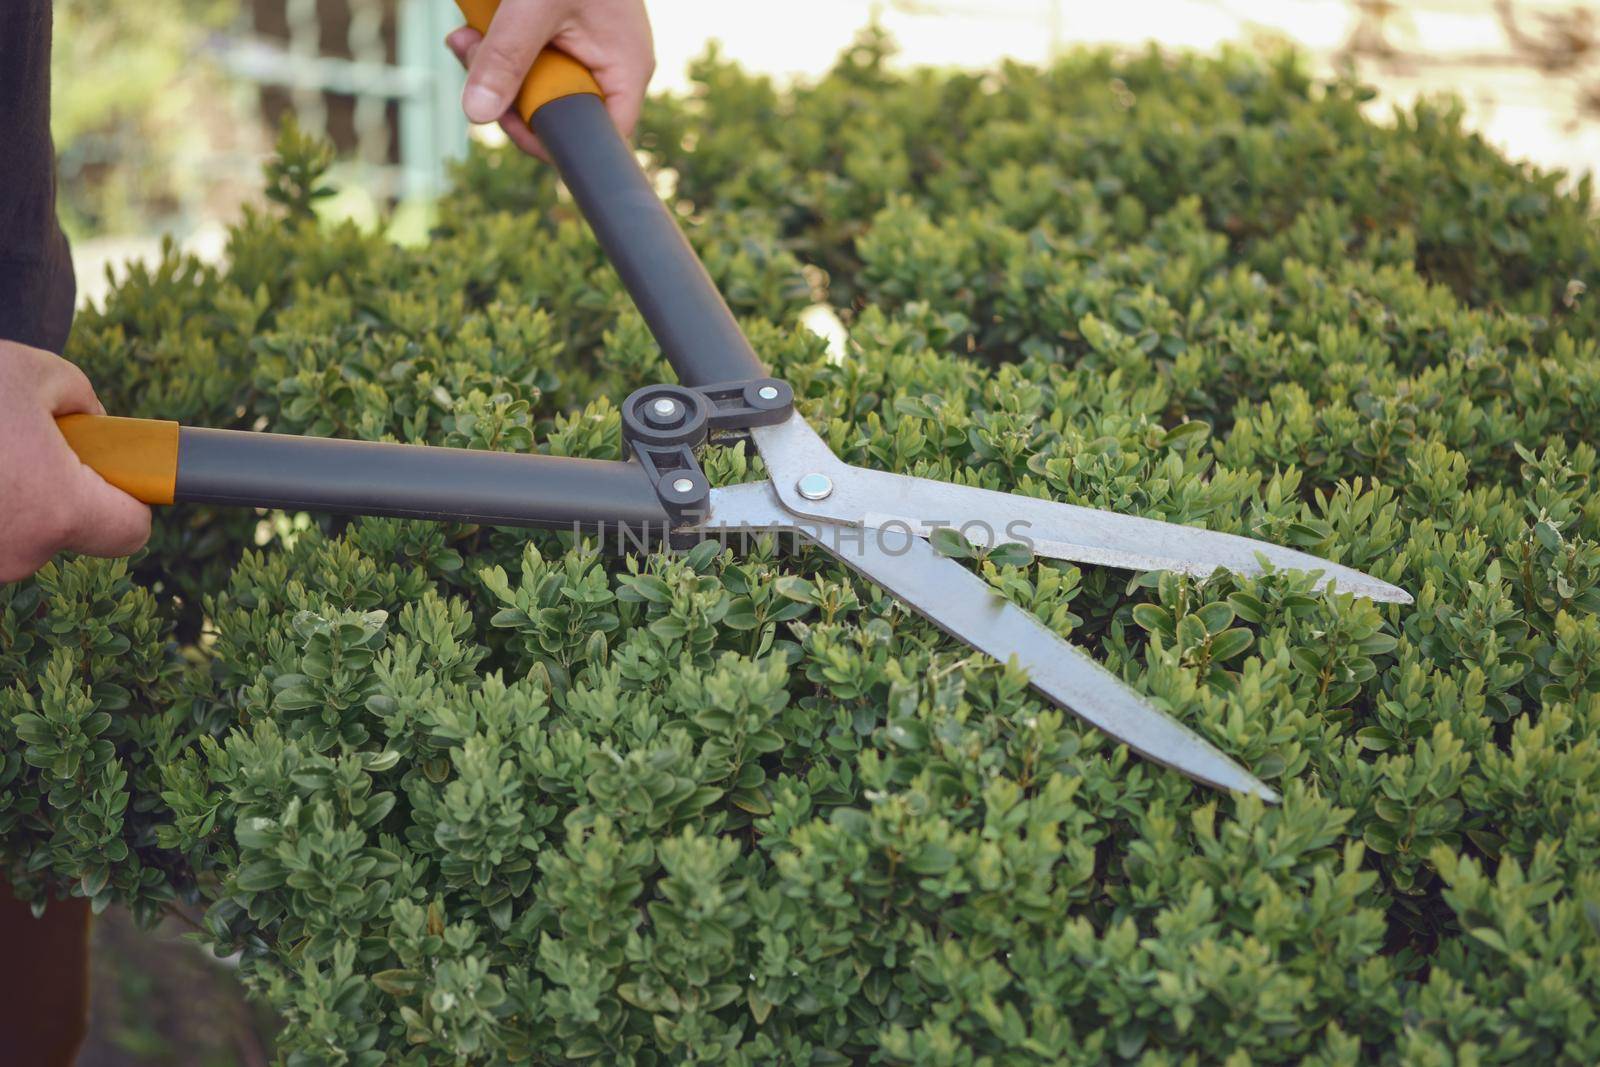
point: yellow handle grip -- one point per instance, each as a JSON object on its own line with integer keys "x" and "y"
{"x": 138, "y": 456}
{"x": 554, "y": 75}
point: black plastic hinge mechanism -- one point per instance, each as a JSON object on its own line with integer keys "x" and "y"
{"x": 664, "y": 425}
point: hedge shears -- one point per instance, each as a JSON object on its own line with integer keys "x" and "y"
{"x": 879, "y": 524}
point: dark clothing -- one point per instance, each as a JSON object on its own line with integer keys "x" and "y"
{"x": 36, "y": 284}
{"x": 44, "y": 969}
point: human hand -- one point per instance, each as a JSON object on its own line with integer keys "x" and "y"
{"x": 49, "y": 500}
{"x": 610, "y": 37}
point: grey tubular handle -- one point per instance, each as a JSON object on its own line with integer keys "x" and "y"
{"x": 667, "y": 281}
{"x": 267, "y": 470}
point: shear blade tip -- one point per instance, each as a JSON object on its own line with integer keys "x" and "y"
{"x": 1266, "y": 793}
{"x": 1383, "y": 592}
{"x": 1369, "y": 588}
{"x": 1242, "y": 783}
{"x": 1235, "y": 779}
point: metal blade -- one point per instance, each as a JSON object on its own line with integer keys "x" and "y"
{"x": 863, "y": 497}
{"x": 963, "y": 605}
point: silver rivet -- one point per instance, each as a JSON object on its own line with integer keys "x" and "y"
{"x": 815, "y": 486}
{"x": 682, "y": 485}
{"x": 664, "y": 408}
{"x": 768, "y": 392}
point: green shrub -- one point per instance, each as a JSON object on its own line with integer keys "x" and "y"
{"x": 471, "y": 795}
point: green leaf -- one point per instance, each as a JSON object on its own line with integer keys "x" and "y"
{"x": 1216, "y": 617}
{"x": 1375, "y": 739}
{"x": 1010, "y": 554}
{"x": 949, "y": 542}
{"x": 1231, "y": 643}
{"x": 1153, "y": 619}
{"x": 932, "y": 859}
{"x": 258, "y": 877}
{"x": 397, "y": 982}
{"x": 1186, "y": 434}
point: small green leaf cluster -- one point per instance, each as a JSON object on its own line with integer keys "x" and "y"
{"x": 468, "y": 795}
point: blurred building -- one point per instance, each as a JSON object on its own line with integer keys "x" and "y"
{"x": 372, "y": 75}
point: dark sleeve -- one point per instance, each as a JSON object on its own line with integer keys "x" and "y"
{"x": 36, "y": 284}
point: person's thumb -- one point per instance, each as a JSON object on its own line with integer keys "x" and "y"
{"x": 519, "y": 30}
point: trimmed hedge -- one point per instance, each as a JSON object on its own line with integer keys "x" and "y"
{"x": 473, "y": 795}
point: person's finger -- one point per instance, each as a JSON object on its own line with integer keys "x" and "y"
{"x": 624, "y": 77}
{"x": 104, "y": 521}
{"x": 15, "y": 565}
{"x": 65, "y": 389}
{"x": 621, "y": 56}
{"x": 460, "y": 41}
{"x": 465, "y": 45}
{"x": 625, "y": 100}
{"x": 520, "y": 28}
{"x": 518, "y": 133}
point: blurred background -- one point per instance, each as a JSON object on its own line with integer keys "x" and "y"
{"x": 164, "y": 111}
{"x": 167, "y": 137}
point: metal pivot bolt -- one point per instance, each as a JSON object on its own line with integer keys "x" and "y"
{"x": 815, "y": 486}
{"x": 768, "y": 392}
{"x": 682, "y": 485}
{"x": 663, "y": 410}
